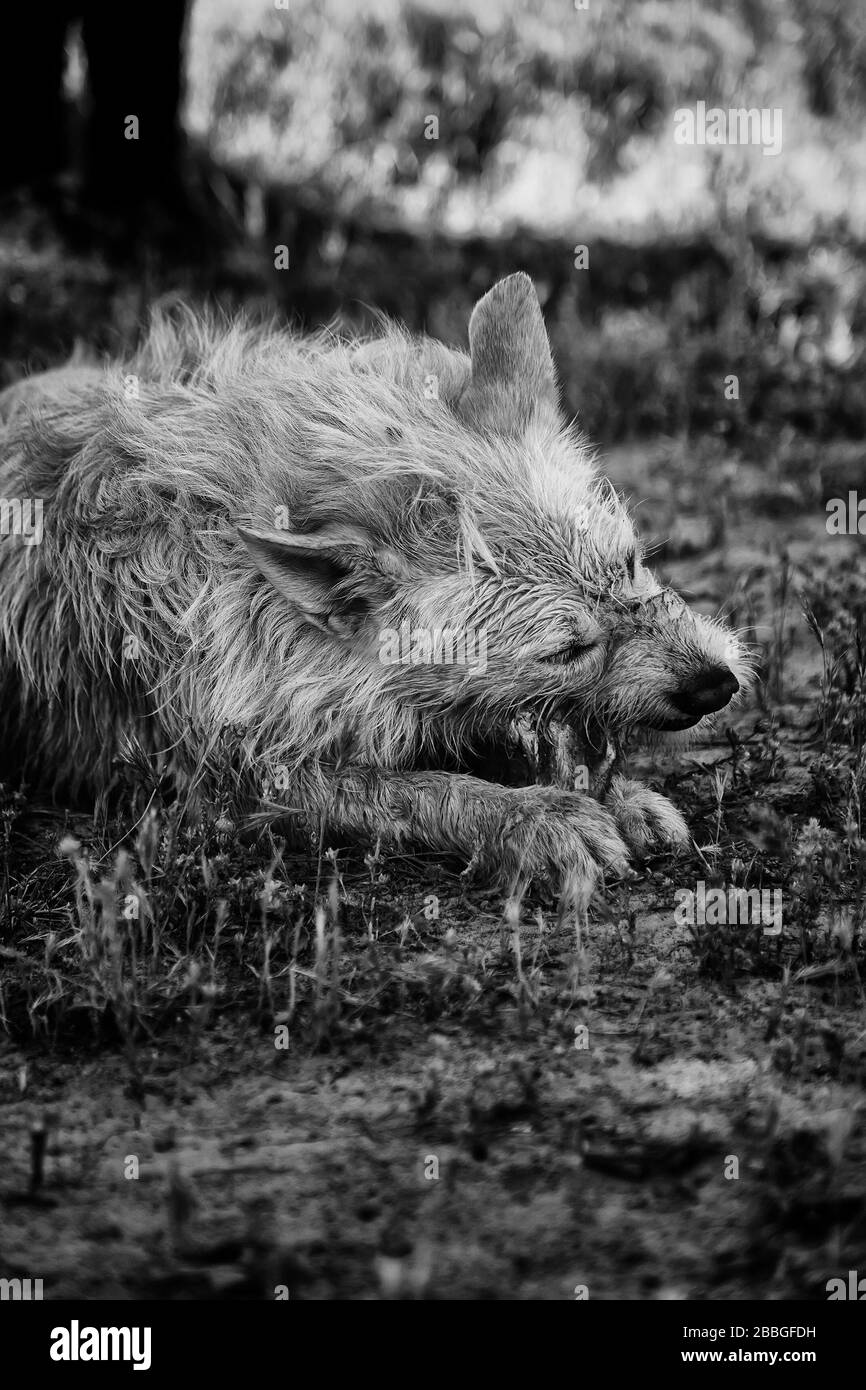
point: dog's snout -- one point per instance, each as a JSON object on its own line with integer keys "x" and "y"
{"x": 710, "y": 690}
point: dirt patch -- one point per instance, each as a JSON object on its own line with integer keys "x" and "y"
{"x": 699, "y": 1146}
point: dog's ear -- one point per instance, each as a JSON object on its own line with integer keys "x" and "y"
{"x": 513, "y": 376}
{"x": 333, "y": 577}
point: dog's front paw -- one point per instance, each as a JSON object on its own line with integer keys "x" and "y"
{"x": 646, "y": 820}
{"x": 553, "y": 835}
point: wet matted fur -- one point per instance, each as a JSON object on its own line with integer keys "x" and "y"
{"x": 235, "y": 516}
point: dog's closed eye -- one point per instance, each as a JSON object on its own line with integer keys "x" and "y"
{"x": 572, "y": 652}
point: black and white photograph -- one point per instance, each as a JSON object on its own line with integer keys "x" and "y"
{"x": 433, "y": 661}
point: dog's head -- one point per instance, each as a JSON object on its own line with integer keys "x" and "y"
{"x": 477, "y": 571}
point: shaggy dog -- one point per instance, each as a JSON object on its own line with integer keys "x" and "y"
{"x": 362, "y": 572}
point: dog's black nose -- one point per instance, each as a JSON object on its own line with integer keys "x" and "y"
{"x": 706, "y": 692}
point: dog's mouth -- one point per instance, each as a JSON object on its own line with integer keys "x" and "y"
{"x": 576, "y": 758}
{"x": 578, "y": 754}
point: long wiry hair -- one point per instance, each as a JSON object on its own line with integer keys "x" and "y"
{"x": 141, "y": 611}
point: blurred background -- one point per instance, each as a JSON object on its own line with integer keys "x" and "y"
{"x": 407, "y": 154}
